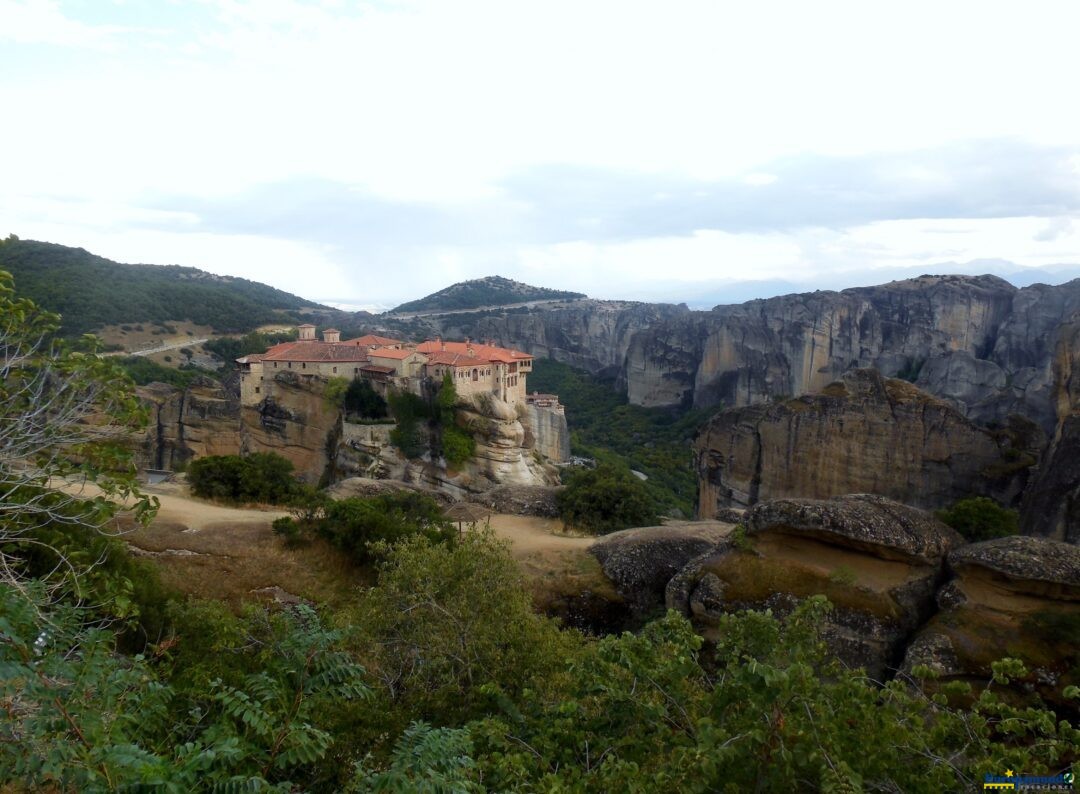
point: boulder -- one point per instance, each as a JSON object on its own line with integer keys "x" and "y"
{"x": 641, "y": 562}
{"x": 521, "y": 500}
{"x": 1013, "y": 597}
{"x": 879, "y": 563}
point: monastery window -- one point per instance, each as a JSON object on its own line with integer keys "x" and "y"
{"x": 290, "y": 365}
{"x": 256, "y": 389}
{"x": 475, "y": 375}
{"x": 303, "y": 365}
{"x": 275, "y": 365}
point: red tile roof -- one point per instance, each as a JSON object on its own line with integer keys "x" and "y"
{"x": 385, "y": 352}
{"x": 370, "y": 340}
{"x": 455, "y": 359}
{"x": 314, "y": 351}
{"x": 376, "y": 369}
{"x": 487, "y": 353}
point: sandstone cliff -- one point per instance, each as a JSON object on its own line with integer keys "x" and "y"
{"x": 977, "y": 341}
{"x": 861, "y": 434}
{"x": 297, "y": 423}
{"x": 203, "y": 419}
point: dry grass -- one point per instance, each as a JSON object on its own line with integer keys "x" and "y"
{"x": 232, "y": 561}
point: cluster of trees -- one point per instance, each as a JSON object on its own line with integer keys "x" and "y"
{"x": 142, "y": 370}
{"x": 366, "y": 528}
{"x": 263, "y": 477}
{"x": 427, "y": 426}
{"x": 654, "y": 441}
{"x": 230, "y": 348}
{"x": 86, "y": 290}
{"x": 605, "y": 499}
{"x": 440, "y": 677}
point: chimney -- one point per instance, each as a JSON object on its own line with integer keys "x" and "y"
{"x": 331, "y": 335}
{"x": 307, "y": 332}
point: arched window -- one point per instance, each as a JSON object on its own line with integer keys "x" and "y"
{"x": 475, "y": 375}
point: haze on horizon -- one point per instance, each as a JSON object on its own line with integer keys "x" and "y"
{"x": 364, "y": 154}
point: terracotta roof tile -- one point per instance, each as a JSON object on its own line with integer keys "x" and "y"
{"x": 384, "y": 352}
{"x": 314, "y": 351}
{"x": 371, "y": 340}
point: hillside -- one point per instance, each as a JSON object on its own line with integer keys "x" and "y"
{"x": 490, "y": 291}
{"x": 90, "y": 291}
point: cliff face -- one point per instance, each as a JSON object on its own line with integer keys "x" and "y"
{"x": 979, "y": 342}
{"x": 589, "y": 334}
{"x": 1052, "y": 503}
{"x": 861, "y": 434}
{"x": 203, "y": 419}
{"x": 296, "y": 423}
{"x": 546, "y": 431}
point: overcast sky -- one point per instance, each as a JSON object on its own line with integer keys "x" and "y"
{"x": 367, "y": 153}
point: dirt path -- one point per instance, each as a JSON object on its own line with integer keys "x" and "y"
{"x": 177, "y": 506}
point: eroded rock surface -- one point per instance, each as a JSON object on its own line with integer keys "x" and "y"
{"x": 879, "y": 563}
{"x": 1013, "y": 597}
{"x": 862, "y": 434}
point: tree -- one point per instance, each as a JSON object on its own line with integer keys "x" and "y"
{"x": 979, "y": 518}
{"x": 457, "y": 445}
{"x": 605, "y": 499}
{"x": 67, "y": 416}
{"x": 412, "y": 414}
{"x": 362, "y": 399}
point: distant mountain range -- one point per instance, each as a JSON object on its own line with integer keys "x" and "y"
{"x": 90, "y": 291}
{"x": 483, "y": 292}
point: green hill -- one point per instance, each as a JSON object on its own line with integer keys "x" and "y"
{"x": 490, "y": 291}
{"x": 91, "y": 292}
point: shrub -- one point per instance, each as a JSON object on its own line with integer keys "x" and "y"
{"x": 262, "y": 477}
{"x": 334, "y": 392}
{"x": 362, "y": 399}
{"x": 980, "y": 518}
{"x": 606, "y": 499}
{"x": 412, "y": 414}
{"x": 365, "y": 528}
{"x": 457, "y": 445}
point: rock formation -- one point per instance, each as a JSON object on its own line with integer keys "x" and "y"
{"x": 1011, "y": 597}
{"x": 861, "y": 434}
{"x": 879, "y": 563}
{"x": 546, "y": 431}
{"x": 200, "y": 420}
{"x": 297, "y": 423}
{"x": 640, "y": 562}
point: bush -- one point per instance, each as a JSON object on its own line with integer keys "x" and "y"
{"x": 366, "y": 528}
{"x": 606, "y": 499}
{"x": 362, "y": 399}
{"x": 457, "y": 445}
{"x": 262, "y": 477}
{"x": 980, "y": 518}
{"x": 411, "y": 434}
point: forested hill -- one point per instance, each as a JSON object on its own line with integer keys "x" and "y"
{"x": 490, "y": 291}
{"x": 91, "y": 291}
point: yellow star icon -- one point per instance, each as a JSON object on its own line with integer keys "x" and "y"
{"x": 1008, "y": 773}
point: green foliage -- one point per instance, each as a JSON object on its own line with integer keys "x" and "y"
{"x": 367, "y": 528}
{"x": 334, "y": 391}
{"x": 143, "y": 371}
{"x": 412, "y": 414}
{"x": 979, "y": 518}
{"x": 451, "y": 628}
{"x": 66, "y": 413}
{"x": 772, "y": 711}
{"x": 490, "y": 291}
{"x": 230, "y": 348}
{"x": 90, "y": 291}
{"x": 263, "y": 477}
{"x": 81, "y": 718}
{"x": 605, "y": 499}
{"x": 362, "y": 399}
{"x": 654, "y": 441}
{"x": 426, "y": 760}
{"x": 456, "y": 445}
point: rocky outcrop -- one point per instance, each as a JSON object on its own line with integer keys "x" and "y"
{"x": 862, "y": 434}
{"x": 546, "y": 431}
{"x": 879, "y": 563}
{"x": 1052, "y": 502}
{"x": 1013, "y": 597}
{"x": 641, "y": 562}
{"x": 521, "y": 500}
{"x": 201, "y": 420}
{"x": 297, "y": 422}
{"x": 365, "y": 488}
{"x": 589, "y": 334}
